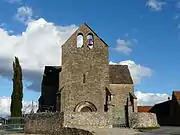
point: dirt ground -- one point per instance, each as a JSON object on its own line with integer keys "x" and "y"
{"x": 165, "y": 130}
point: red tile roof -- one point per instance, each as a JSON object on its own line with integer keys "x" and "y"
{"x": 144, "y": 108}
{"x": 177, "y": 94}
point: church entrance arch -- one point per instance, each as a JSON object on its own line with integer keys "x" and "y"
{"x": 85, "y": 106}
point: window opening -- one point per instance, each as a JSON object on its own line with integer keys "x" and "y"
{"x": 79, "y": 41}
{"x": 90, "y": 41}
{"x": 84, "y": 78}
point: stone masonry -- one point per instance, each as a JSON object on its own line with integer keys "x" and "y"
{"x": 120, "y": 96}
{"x": 140, "y": 120}
{"x": 43, "y": 123}
{"x": 92, "y": 64}
{"x": 88, "y": 84}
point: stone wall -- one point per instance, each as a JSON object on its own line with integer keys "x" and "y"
{"x": 143, "y": 120}
{"x": 120, "y": 94}
{"x": 51, "y": 123}
{"x": 43, "y": 123}
{"x": 85, "y": 72}
{"x": 84, "y": 120}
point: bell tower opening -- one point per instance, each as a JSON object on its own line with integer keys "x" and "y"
{"x": 80, "y": 40}
{"x": 90, "y": 39}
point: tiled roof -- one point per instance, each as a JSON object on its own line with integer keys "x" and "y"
{"x": 119, "y": 74}
{"x": 144, "y": 108}
{"x": 177, "y": 94}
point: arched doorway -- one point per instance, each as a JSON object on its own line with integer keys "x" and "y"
{"x": 85, "y": 107}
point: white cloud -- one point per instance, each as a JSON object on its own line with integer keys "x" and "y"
{"x": 138, "y": 72}
{"x": 24, "y": 14}
{"x": 155, "y": 5}
{"x": 150, "y": 99}
{"x": 124, "y": 46}
{"x": 5, "y": 106}
{"x": 14, "y": 1}
{"x": 39, "y": 45}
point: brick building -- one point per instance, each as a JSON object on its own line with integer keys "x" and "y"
{"x": 85, "y": 82}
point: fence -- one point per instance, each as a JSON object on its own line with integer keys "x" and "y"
{"x": 12, "y": 125}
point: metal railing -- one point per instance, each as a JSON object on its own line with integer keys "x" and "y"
{"x": 12, "y": 125}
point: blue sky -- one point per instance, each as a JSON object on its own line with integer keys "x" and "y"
{"x": 141, "y": 33}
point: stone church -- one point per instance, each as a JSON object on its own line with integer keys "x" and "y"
{"x": 86, "y": 82}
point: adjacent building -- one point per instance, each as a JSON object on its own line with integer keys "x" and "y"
{"x": 168, "y": 112}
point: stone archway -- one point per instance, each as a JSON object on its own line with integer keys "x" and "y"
{"x": 85, "y": 107}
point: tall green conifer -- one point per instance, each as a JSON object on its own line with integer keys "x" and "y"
{"x": 17, "y": 94}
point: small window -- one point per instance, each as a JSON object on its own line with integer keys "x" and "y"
{"x": 79, "y": 41}
{"x": 84, "y": 78}
{"x": 90, "y": 41}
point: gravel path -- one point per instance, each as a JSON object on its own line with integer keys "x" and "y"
{"x": 125, "y": 131}
{"x": 164, "y": 130}
{"x": 115, "y": 131}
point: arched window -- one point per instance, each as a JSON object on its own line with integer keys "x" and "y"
{"x": 85, "y": 106}
{"x": 86, "y": 109}
{"x": 90, "y": 39}
{"x": 79, "y": 40}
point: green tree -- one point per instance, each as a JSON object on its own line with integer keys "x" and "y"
{"x": 17, "y": 94}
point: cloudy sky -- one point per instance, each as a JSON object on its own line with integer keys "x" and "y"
{"x": 144, "y": 34}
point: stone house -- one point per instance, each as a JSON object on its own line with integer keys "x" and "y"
{"x": 85, "y": 82}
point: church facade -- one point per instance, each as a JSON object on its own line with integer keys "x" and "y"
{"x": 86, "y": 82}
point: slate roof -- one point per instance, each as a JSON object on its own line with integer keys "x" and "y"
{"x": 119, "y": 74}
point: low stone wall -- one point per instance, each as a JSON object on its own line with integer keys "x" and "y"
{"x": 143, "y": 120}
{"x": 41, "y": 123}
{"x": 60, "y": 123}
{"x": 86, "y": 119}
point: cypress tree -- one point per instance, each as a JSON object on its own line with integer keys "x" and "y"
{"x": 17, "y": 94}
